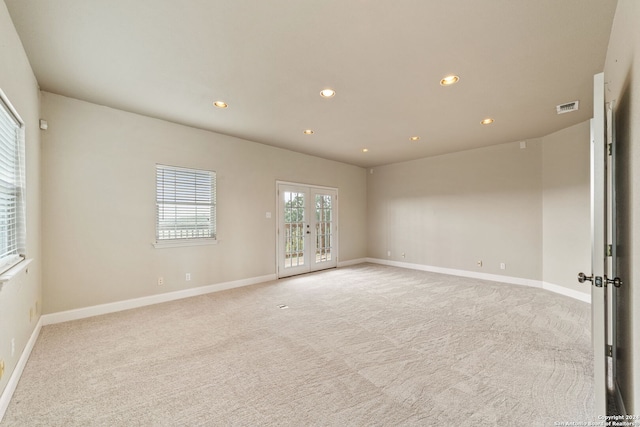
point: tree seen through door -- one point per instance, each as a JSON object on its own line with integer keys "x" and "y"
{"x": 294, "y": 222}
{"x": 323, "y": 227}
{"x": 296, "y": 226}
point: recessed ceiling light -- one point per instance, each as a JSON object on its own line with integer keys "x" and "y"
{"x": 307, "y": 132}
{"x": 414, "y": 138}
{"x": 327, "y": 93}
{"x": 449, "y": 80}
{"x": 365, "y": 150}
{"x": 220, "y": 104}
{"x": 487, "y": 121}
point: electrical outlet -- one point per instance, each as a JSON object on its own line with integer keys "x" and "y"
{"x": 187, "y": 277}
{"x": 502, "y": 266}
{"x": 160, "y": 281}
{"x": 388, "y": 253}
{"x": 402, "y": 254}
{"x": 479, "y": 263}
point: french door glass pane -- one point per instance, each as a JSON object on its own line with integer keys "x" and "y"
{"x": 294, "y": 229}
{"x": 323, "y": 228}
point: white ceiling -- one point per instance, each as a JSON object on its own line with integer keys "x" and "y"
{"x": 269, "y": 59}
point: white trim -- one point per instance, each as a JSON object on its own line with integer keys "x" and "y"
{"x": 301, "y": 184}
{"x": 462, "y": 273}
{"x": 182, "y": 243}
{"x": 11, "y": 108}
{"x": 81, "y": 313}
{"x": 582, "y": 296}
{"x": 485, "y": 276}
{"x": 96, "y": 310}
{"x": 351, "y": 262}
{"x": 10, "y": 388}
{"x": 14, "y": 271}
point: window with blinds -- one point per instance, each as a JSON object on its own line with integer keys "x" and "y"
{"x": 185, "y": 204}
{"x": 12, "y": 178}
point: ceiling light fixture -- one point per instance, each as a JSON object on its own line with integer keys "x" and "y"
{"x": 414, "y": 138}
{"x": 327, "y": 93}
{"x": 308, "y": 132}
{"x": 365, "y": 150}
{"x": 220, "y": 104}
{"x": 449, "y": 80}
{"x": 487, "y": 121}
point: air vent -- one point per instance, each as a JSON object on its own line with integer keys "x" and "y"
{"x": 568, "y": 107}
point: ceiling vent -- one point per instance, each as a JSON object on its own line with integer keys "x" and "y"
{"x": 568, "y": 107}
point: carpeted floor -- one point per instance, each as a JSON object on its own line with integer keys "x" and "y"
{"x": 366, "y": 345}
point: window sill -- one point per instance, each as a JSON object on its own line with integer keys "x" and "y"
{"x": 14, "y": 271}
{"x": 185, "y": 243}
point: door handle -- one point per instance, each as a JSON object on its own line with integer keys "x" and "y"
{"x": 597, "y": 280}
{"x": 584, "y": 278}
{"x": 615, "y": 282}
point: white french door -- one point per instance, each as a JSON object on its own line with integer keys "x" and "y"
{"x": 307, "y": 228}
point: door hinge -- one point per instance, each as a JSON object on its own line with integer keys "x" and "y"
{"x": 610, "y": 149}
{"x": 609, "y": 351}
{"x": 609, "y": 250}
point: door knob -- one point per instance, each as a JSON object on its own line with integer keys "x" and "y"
{"x": 615, "y": 282}
{"x": 598, "y": 281}
{"x": 583, "y": 278}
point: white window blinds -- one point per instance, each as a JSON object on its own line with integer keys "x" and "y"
{"x": 12, "y": 178}
{"x": 185, "y": 203}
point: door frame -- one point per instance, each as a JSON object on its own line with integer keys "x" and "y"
{"x": 335, "y": 249}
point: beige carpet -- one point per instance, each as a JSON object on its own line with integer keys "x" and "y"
{"x": 366, "y": 345}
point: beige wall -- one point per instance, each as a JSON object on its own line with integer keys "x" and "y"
{"x": 622, "y": 76}
{"x": 528, "y": 208}
{"x": 566, "y": 207}
{"x": 20, "y": 295}
{"x": 453, "y": 210}
{"x": 99, "y": 204}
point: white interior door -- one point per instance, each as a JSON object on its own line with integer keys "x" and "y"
{"x": 599, "y": 227}
{"x": 307, "y": 228}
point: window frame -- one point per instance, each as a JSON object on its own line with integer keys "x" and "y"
{"x": 186, "y": 241}
{"x": 16, "y": 255}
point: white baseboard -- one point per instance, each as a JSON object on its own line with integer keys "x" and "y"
{"x": 491, "y": 277}
{"x": 462, "y": 273}
{"x": 5, "y": 398}
{"x": 351, "y": 262}
{"x": 96, "y": 310}
{"x": 81, "y": 313}
{"x": 567, "y": 292}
